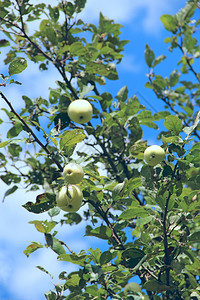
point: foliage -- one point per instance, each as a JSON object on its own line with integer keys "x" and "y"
{"x": 159, "y": 205}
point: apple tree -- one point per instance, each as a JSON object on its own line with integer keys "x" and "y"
{"x": 158, "y": 203}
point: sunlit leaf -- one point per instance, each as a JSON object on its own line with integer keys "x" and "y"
{"x": 32, "y": 247}
{"x": 173, "y": 124}
{"x": 73, "y": 258}
{"x": 132, "y": 213}
{"x": 17, "y": 65}
{"x": 71, "y": 137}
{"x": 170, "y": 22}
{"x": 44, "y": 226}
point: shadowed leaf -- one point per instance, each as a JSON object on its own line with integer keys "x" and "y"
{"x": 43, "y": 203}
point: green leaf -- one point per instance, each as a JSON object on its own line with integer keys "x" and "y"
{"x": 171, "y": 139}
{"x": 174, "y": 78}
{"x": 117, "y": 189}
{"x": 154, "y": 285}
{"x": 54, "y": 13}
{"x": 72, "y": 218}
{"x": 4, "y": 43}
{"x": 14, "y": 149}
{"x": 32, "y": 247}
{"x": 158, "y": 60}
{"x": 54, "y": 244}
{"x": 170, "y": 22}
{"x": 173, "y": 124}
{"x": 102, "y": 232}
{"x": 43, "y": 203}
{"x": 97, "y": 68}
{"x": 10, "y": 191}
{"x": 51, "y": 295}
{"x": 149, "y": 56}
{"x": 122, "y": 94}
{"x": 54, "y": 211}
{"x": 105, "y": 257}
{"x": 15, "y": 130}
{"x": 17, "y": 65}
{"x": 131, "y": 257}
{"x": 48, "y": 31}
{"x": 79, "y": 5}
{"x": 186, "y": 12}
{"x": 132, "y": 213}
{"x": 143, "y": 221}
{"x": 71, "y": 137}
{"x": 78, "y": 49}
{"x": 159, "y": 83}
{"x": 194, "y": 237}
{"x": 106, "y": 100}
{"x": 3, "y": 144}
{"x": 44, "y": 226}
{"x": 73, "y": 258}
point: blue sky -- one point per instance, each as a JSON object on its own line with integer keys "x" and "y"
{"x": 19, "y": 279}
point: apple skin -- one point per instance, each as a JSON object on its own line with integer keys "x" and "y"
{"x": 154, "y": 154}
{"x": 80, "y": 111}
{"x": 72, "y": 203}
{"x": 132, "y": 287}
{"x": 73, "y": 173}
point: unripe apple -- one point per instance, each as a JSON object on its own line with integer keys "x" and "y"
{"x": 80, "y": 111}
{"x": 132, "y": 287}
{"x": 73, "y": 173}
{"x": 154, "y": 154}
{"x": 70, "y": 198}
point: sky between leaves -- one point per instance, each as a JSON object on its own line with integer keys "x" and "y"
{"x": 19, "y": 277}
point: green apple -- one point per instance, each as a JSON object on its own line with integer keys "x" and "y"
{"x": 80, "y": 111}
{"x": 132, "y": 287}
{"x": 73, "y": 173}
{"x": 154, "y": 154}
{"x": 69, "y": 198}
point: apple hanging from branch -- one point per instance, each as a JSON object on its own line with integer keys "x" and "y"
{"x": 70, "y": 198}
{"x": 154, "y": 154}
{"x": 73, "y": 173}
{"x": 80, "y": 111}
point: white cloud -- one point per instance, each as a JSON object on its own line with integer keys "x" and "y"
{"x": 144, "y": 13}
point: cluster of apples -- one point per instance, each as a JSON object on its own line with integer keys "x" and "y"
{"x": 70, "y": 196}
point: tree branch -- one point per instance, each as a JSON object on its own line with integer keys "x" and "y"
{"x": 165, "y": 240}
{"x": 31, "y": 132}
{"x": 105, "y": 218}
